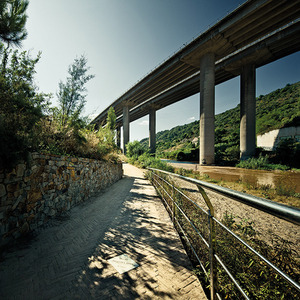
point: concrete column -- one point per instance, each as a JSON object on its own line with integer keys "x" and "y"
{"x": 125, "y": 127}
{"x": 119, "y": 136}
{"x": 207, "y": 109}
{"x": 152, "y": 130}
{"x": 247, "y": 113}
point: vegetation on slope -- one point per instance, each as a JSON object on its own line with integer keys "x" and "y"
{"x": 27, "y": 121}
{"x": 277, "y": 109}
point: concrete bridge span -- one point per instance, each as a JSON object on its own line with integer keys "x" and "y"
{"x": 255, "y": 34}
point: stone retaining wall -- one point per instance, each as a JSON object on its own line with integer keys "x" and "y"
{"x": 46, "y": 186}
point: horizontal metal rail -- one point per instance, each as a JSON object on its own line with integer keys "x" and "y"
{"x": 208, "y": 245}
{"x": 288, "y": 213}
{"x": 226, "y": 192}
{"x": 183, "y": 232}
{"x": 287, "y": 278}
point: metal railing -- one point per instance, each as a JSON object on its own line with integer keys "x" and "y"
{"x": 197, "y": 227}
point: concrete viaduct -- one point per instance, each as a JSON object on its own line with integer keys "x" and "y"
{"x": 255, "y": 34}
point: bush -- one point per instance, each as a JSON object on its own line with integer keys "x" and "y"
{"x": 147, "y": 161}
{"x": 260, "y": 163}
{"x": 21, "y": 108}
{"x": 288, "y": 152}
{"x": 134, "y": 149}
{"x": 83, "y": 142}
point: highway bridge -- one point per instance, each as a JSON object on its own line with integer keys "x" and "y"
{"x": 255, "y": 34}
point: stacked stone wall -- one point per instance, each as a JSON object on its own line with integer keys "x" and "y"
{"x": 46, "y": 186}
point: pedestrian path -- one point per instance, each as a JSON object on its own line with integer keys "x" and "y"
{"x": 71, "y": 257}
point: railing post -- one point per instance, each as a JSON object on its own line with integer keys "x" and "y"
{"x": 174, "y": 206}
{"x": 212, "y": 244}
{"x": 212, "y": 260}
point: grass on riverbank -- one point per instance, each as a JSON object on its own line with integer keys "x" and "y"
{"x": 284, "y": 192}
{"x": 261, "y": 163}
{"x": 257, "y": 279}
{"x": 147, "y": 161}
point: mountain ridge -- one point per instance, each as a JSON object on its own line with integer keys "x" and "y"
{"x": 278, "y": 109}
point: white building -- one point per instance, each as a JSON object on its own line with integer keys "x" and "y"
{"x": 269, "y": 140}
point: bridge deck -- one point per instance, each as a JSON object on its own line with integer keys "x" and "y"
{"x": 69, "y": 259}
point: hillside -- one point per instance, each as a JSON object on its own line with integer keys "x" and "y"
{"x": 277, "y": 109}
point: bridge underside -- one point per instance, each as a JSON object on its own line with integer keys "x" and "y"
{"x": 255, "y": 34}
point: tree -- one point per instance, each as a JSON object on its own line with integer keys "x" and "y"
{"x": 111, "y": 119}
{"x": 71, "y": 95}
{"x": 134, "y": 149}
{"x": 21, "y": 108}
{"x": 12, "y": 21}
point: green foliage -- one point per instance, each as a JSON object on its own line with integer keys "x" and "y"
{"x": 278, "y": 109}
{"x": 66, "y": 132}
{"x": 24, "y": 126}
{"x": 147, "y": 161}
{"x": 12, "y": 21}
{"x": 287, "y": 152}
{"x": 259, "y": 281}
{"x": 260, "y": 163}
{"x": 71, "y": 95}
{"x": 111, "y": 119}
{"x": 27, "y": 123}
{"x": 21, "y": 107}
{"x": 170, "y": 138}
{"x": 135, "y": 149}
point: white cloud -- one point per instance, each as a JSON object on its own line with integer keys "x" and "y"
{"x": 144, "y": 123}
{"x": 191, "y": 119}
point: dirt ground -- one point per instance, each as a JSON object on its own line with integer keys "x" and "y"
{"x": 266, "y": 225}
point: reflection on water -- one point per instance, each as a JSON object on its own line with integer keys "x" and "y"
{"x": 255, "y": 177}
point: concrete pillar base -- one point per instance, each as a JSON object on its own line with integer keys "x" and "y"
{"x": 247, "y": 113}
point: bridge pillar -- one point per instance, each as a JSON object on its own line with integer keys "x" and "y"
{"x": 207, "y": 109}
{"x": 247, "y": 112}
{"x": 152, "y": 130}
{"x": 119, "y": 136}
{"x": 125, "y": 127}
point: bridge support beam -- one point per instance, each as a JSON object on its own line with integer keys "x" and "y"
{"x": 125, "y": 127}
{"x": 207, "y": 109}
{"x": 119, "y": 136}
{"x": 247, "y": 112}
{"x": 152, "y": 130}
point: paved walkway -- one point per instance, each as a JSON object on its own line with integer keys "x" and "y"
{"x": 69, "y": 258}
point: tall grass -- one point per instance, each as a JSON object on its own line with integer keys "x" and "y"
{"x": 255, "y": 277}
{"x": 147, "y": 161}
{"x": 260, "y": 163}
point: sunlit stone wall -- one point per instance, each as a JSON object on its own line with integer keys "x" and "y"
{"x": 47, "y": 186}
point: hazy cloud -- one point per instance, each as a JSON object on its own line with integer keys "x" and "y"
{"x": 144, "y": 123}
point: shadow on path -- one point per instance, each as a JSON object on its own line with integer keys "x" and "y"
{"x": 68, "y": 258}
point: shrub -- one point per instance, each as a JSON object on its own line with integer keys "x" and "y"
{"x": 134, "y": 149}
{"x": 21, "y": 107}
{"x": 287, "y": 152}
{"x": 260, "y": 163}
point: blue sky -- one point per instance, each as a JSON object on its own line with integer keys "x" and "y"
{"x": 123, "y": 40}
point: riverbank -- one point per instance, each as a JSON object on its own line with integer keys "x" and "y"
{"x": 279, "y": 186}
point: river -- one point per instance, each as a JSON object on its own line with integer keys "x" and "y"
{"x": 254, "y": 177}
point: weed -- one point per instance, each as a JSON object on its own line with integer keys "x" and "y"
{"x": 261, "y": 163}
{"x": 285, "y": 190}
{"x": 256, "y": 278}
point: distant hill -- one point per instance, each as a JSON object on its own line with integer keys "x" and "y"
{"x": 275, "y": 110}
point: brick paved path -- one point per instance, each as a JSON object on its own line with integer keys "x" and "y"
{"x": 68, "y": 258}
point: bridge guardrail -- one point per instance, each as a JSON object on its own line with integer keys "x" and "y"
{"x": 201, "y": 230}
